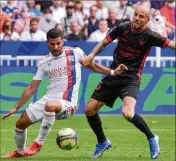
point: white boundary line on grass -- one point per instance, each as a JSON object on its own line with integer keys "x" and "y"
{"x": 86, "y": 130}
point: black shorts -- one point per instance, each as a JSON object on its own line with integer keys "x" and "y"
{"x": 110, "y": 88}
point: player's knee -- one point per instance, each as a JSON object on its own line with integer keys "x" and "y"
{"x": 53, "y": 106}
{"x": 20, "y": 124}
{"x": 91, "y": 108}
{"x": 127, "y": 114}
{"x": 89, "y": 111}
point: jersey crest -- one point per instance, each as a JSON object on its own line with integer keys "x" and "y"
{"x": 141, "y": 42}
{"x": 71, "y": 58}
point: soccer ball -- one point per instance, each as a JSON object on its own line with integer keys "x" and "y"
{"x": 66, "y": 138}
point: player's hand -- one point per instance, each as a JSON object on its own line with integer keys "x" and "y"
{"x": 12, "y": 111}
{"x": 120, "y": 69}
{"x": 87, "y": 60}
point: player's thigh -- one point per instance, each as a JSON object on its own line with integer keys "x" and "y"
{"x": 128, "y": 106}
{"x": 103, "y": 94}
{"x": 35, "y": 111}
{"x": 67, "y": 110}
{"x": 129, "y": 94}
{"x": 130, "y": 89}
{"x": 53, "y": 106}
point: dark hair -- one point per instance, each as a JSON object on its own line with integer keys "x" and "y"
{"x": 92, "y": 7}
{"x": 48, "y": 10}
{"x": 34, "y": 19}
{"x": 54, "y": 33}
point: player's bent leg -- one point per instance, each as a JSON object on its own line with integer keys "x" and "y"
{"x": 92, "y": 107}
{"x": 95, "y": 123}
{"x": 51, "y": 108}
{"x": 128, "y": 107}
{"x": 20, "y": 136}
{"x": 128, "y": 110}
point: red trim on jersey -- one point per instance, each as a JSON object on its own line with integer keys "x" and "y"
{"x": 133, "y": 30}
{"x": 65, "y": 95}
{"x": 108, "y": 37}
{"x": 166, "y": 43}
{"x": 142, "y": 64}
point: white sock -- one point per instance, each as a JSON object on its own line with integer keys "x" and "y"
{"x": 20, "y": 139}
{"x": 46, "y": 125}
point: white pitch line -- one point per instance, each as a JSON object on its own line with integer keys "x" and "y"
{"x": 85, "y": 130}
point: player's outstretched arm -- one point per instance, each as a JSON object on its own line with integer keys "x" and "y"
{"x": 105, "y": 70}
{"x": 28, "y": 92}
{"x": 86, "y": 61}
{"x": 172, "y": 44}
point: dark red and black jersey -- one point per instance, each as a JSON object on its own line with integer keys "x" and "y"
{"x": 133, "y": 47}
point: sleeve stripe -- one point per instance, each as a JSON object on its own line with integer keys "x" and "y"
{"x": 166, "y": 43}
{"x": 108, "y": 37}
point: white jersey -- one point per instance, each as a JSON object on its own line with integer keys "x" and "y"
{"x": 64, "y": 73}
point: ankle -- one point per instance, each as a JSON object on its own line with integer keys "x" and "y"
{"x": 20, "y": 151}
{"x": 103, "y": 140}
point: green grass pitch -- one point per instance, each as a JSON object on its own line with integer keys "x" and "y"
{"x": 129, "y": 144}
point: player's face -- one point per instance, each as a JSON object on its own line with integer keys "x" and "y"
{"x": 55, "y": 46}
{"x": 139, "y": 20}
{"x": 34, "y": 26}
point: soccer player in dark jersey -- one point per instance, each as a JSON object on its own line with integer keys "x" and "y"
{"x": 135, "y": 40}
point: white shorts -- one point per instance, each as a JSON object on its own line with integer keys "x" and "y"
{"x": 35, "y": 111}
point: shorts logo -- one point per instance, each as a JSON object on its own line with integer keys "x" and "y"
{"x": 123, "y": 94}
{"x": 99, "y": 86}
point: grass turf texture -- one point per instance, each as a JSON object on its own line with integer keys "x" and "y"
{"x": 129, "y": 144}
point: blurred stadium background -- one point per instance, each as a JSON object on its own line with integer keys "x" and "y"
{"x": 22, "y": 41}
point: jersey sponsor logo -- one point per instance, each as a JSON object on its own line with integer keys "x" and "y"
{"x": 128, "y": 52}
{"x": 60, "y": 71}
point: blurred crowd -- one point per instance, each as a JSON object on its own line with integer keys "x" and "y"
{"x": 80, "y": 20}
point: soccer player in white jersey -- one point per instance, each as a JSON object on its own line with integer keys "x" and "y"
{"x": 64, "y": 73}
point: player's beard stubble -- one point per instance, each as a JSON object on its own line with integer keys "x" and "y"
{"x": 57, "y": 52}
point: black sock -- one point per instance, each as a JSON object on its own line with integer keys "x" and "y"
{"x": 96, "y": 125}
{"x": 139, "y": 122}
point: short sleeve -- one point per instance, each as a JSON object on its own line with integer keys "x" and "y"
{"x": 40, "y": 74}
{"x": 115, "y": 32}
{"x": 80, "y": 52}
{"x": 158, "y": 40}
